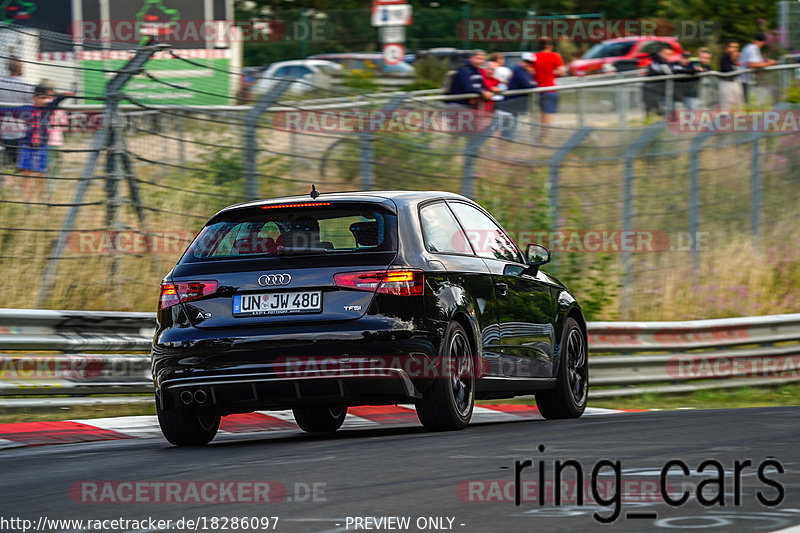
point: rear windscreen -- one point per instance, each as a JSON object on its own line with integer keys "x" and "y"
{"x": 270, "y": 231}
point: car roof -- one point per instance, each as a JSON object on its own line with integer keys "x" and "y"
{"x": 640, "y": 38}
{"x": 303, "y": 62}
{"x": 397, "y": 197}
{"x": 348, "y": 55}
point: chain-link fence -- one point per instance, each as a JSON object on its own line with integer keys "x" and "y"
{"x": 652, "y": 220}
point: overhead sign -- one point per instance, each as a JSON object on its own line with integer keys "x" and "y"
{"x": 394, "y": 14}
{"x": 393, "y": 53}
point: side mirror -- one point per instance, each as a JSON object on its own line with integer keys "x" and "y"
{"x": 537, "y": 255}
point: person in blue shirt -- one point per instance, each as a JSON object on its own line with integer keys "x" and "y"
{"x": 468, "y": 79}
{"x": 521, "y": 78}
{"x": 32, "y": 158}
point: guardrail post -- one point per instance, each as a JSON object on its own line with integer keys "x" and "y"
{"x": 103, "y": 140}
{"x": 555, "y": 171}
{"x": 627, "y": 208}
{"x": 694, "y": 193}
{"x": 581, "y": 109}
{"x": 250, "y": 125}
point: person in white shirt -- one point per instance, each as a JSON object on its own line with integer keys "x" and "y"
{"x": 501, "y": 71}
{"x": 13, "y": 91}
{"x": 751, "y": 58}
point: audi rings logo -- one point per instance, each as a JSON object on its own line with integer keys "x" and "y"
{"x": 274, "y": 279}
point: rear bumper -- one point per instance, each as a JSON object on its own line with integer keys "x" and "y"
{"x": 334, "y": 364}
{"x": 230, "y": 393}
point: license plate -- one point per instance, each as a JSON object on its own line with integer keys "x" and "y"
{"x": 277, "y": 303}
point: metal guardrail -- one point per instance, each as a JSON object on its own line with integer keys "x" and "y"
{"x": 685, "y": 356}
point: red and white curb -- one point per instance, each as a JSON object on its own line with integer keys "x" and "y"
{"x": 145, "y": 427}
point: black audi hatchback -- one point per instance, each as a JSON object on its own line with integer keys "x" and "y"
{"x": 372, "y": 298}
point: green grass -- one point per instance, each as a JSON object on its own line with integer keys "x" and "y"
{"x": 708, "y": 399}
{"x": 75, "y": 413}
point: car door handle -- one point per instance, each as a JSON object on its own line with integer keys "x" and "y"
{"x": 502, "y": 288}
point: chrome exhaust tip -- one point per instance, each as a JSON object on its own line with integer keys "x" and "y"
{"x": 186, "y": 397}
{"x": 200, "y": 396}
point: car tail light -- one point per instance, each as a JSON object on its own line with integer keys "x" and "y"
{"x": 169, "y": 296}
{"x": 184, "y": 291}
{"x": 397, "y": 282}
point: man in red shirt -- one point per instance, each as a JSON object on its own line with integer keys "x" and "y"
{"x": 549, "y": 65}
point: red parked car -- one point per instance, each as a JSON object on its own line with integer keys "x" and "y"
{"x": 625, "y": 53}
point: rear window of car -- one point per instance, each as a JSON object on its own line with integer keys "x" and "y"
{"x": 271, "y": 231}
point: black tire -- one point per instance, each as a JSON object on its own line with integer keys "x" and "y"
{"x": 319, "y": 419}
{"x": 568, "y": 398}
{"x": 447, "y": 405}
{"x": 187, "y": 426}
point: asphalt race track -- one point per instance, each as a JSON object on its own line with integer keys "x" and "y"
{"x": 438, "y": 481}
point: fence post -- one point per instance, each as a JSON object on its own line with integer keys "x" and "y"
{"x": 366, "y": 140}
{"x": 694, "y": 193}
{"x": 250, "y": 124}
{"x": 621, "y": 93}
{"x": 103, "y": 140}
{"x": 474, "y": 142}
{"x": 366, "y": 162}
{"x": 755, "y": 186}
{"x": 581, "y": 110}
{"x": 555, "y": 171}
{"x": 627, "y": 208}
{"x": 669, "y": 96}
{"x": 182, "y": 138}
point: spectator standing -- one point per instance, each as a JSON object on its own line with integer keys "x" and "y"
{"x": 32, "y": 158}
{"x": 501, "y": 71}
{"x": 655, "y": 91}
{"x": 701, "y": 87}
{"x": 521, "y": 78}
{"x": 468, "y": 79}
{"x": 244, "y": 96}
{"x": 497, "y": 82}
{"x": 59, "y": 121}
{"x": 492, "y": 84}
{"x": 751, "y": 58}
{"x": 13, "y": 91}
{"x": 731, "y": 94}
{"x": 686, "y": 90}
{"x": 549, "y": 66}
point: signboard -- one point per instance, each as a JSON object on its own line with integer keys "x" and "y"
{"x": 393, "y": 53}
{"x": 391, "y": 14}
{"x": 392, "y": 34}
{"x": 183, "y": 83}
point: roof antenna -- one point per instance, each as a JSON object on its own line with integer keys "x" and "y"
{"x": 314, "y": 192}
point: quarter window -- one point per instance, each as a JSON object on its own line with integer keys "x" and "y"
{"x": 487, "y": 238}
{"x": 441, "y": 231}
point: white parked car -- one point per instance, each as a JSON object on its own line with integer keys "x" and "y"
{"x": 307, "y": 73}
